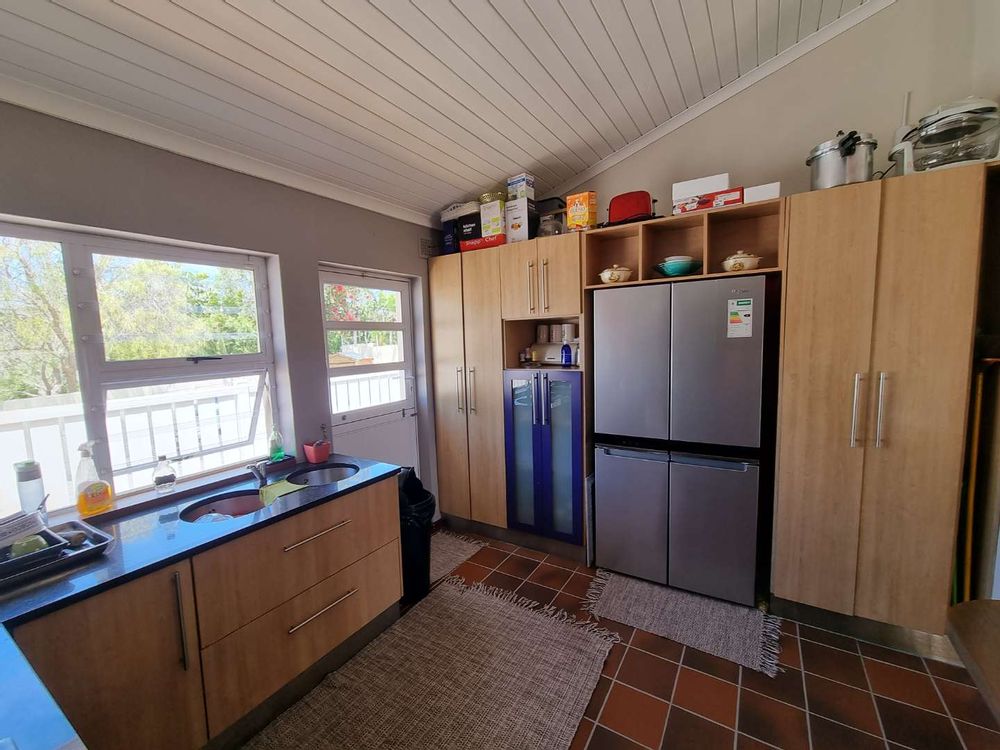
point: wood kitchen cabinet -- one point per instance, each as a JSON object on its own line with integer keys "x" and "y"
{"x": 541, "y": 277}
{"x": 123, "y": 665}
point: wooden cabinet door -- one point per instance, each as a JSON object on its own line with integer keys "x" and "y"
{"x": 448, "y": 357}
{"x": 925, "y": 308}
{"x": 519, "y": 280}
{"x": 560, "y": 289}
{"x": 825, "y": 350}
{"x": 484, "y": 360}
{"x": 123, "y": 665}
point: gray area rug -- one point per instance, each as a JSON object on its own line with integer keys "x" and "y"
{"x": 448, "y": 551}
{"x": 740, "y": 634}
{"x": 466, "y": 668}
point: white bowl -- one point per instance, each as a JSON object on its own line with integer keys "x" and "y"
{"x": 678, "y": 257}
{"x": 615, "y": 275}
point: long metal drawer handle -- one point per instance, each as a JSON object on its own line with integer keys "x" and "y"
{"x": 854, "y": 409}
{"x": 180, "y": 619}
{"x": 460, "y": 384}
{"x": 545, "y": 398}
{"x": 531, "y": 287}
{"x": 545, "y": 283}
{"x": 534, "y": 398}
{"x": 472, "y": 390}
{"x": 314, "y": 537}
{"x": 327, "y": 608}
{"x": 881, "y": 409}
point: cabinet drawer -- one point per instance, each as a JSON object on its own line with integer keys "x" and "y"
{"x": 241, "y": 580}
{"x": 246, "y": 667}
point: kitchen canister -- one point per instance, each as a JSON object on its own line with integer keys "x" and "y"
{"x": 569, "y": 331}
{"x": 555, "y": 333}
{"x": 542, "y": 334}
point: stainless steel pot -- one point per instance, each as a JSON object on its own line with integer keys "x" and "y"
{"x": 842, "y": 160}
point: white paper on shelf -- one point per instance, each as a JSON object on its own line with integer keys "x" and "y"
{"x": 700, "y": 186}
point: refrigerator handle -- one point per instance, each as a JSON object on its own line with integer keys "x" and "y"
{"x": 711, "y": 463}
{"x": 858, "y": 377}
{"x": 637, "y": 453}
{"x": 545, "y": 398}
{"x": 534, "y": 398}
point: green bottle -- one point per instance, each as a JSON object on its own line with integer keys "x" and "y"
{"x": 277, "y": 445}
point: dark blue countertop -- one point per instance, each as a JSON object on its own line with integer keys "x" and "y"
{"x": 144, "y": 541}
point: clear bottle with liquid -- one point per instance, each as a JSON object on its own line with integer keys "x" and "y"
{"x": 164, "y": 476}
{"x": 276, "y": 445}
{"x": 566, "y": 354}
{"x": 93, "y": 494}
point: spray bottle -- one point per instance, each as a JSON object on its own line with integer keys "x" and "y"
{"x": 93, "y": 494}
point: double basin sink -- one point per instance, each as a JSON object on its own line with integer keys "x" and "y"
{"x": 242, "y": 502}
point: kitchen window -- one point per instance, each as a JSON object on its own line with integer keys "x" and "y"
{"x": 147, "y": 349}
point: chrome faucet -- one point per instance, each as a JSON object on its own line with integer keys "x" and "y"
{"x": 259, "y": 470}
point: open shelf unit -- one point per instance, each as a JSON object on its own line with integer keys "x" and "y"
{"x": 709, "y": 236}
{"x": 518, "y": 334}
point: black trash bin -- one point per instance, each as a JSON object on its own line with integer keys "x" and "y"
{"x": 416, "y": 515}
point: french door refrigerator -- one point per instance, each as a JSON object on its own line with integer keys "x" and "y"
{"x": 683, "y": 419}
{"x": 543, "y": 412}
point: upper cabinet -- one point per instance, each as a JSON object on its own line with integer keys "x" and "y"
{"x": 541, "y": 277}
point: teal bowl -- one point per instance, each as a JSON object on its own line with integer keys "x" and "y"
{"x": 678, "y": 267}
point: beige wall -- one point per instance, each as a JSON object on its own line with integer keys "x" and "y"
{"x": 58, "y": 171}
{"x": 855, "y": 81}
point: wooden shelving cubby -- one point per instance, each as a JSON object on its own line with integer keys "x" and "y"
{"x": 674, "y": 235}
{"x": 603, "y": 248}
{"x": 754, "y": 229}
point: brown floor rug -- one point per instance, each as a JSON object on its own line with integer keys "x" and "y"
{"x": 466, "y": 668}
{"x": 448, "y": 551}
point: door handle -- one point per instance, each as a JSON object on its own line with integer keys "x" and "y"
{"x": 881, "y": 410}
{"x": 459, "y": 388}
{"x": 180, "y": 619}
{"x": 545, "y": 398}
{"x": 534, "y": 398}
{"x": 472, "y": 390}
{"x": 325, "y": 609}
{"x": 858, "y": 377}
{"x": 316, "y": 536}
{"x": 531, "y": 287}
{"x": 545, "y": 283}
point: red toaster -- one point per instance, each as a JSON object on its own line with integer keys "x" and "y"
{"x": 634, "y": 206}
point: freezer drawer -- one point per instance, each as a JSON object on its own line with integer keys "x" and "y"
{"x": 632, "y": 361}
{"x": 630, "y": 511}
{"x": 713, "y": 527}
{"x": 717, "y": 361}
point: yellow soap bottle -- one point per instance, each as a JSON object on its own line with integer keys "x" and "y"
{"x": 93, "y": 494}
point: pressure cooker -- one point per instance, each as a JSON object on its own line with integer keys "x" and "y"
{"x": 842, "y": 160}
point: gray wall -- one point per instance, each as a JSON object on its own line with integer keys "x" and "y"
{"x": 59, "y": 171}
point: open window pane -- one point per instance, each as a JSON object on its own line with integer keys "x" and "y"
{"x": 350, "y": 392}
{"x": 201, "y": 425}
{"x": 160, "y": 309}
{"x": 41, "y": 414}
{"x": 352, "y": 348}
{"x": 342, "y": 302}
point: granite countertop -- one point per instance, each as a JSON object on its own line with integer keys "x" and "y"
{"x": 144, "y": 541}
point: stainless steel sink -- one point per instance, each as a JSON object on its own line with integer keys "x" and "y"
{"x": 222, "y": 507}
{"x": 325, "y": 474}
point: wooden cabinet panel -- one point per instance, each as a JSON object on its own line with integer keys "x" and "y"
{"x": 448, "y": 357}
{"x": 925, "y": 308}
{"x": 248, "y": 576}
{"x": 114, "y": 662}
{"x": 519, "y": 280}
{"x": 248, "y": 666}
{"x": 826, "y": 345}
{"x": 559, "y": 274}
{"x": 484, "y": 362}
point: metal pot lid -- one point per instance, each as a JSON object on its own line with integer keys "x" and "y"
{"x": 834, "y": 144}
{"x": 970, "y": 104}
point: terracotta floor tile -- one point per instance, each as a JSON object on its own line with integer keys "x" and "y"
{"x": 586, "y": 570}
{"x": 597, "y": 698}
{"x": 789, "y": 655}
{"x": 503, "y": 581}
{"x": 582, "y": 735}
{"x": 636, "y": 715}
{"x": 505, "y": 546}
{"x": 624, "y": 631}
{"x": 899, "y": 658}
{"x": 713, "y": 665}
{"x": 828, "y": 735}
{"x": 686, "y": 731}
{"x": 903, "y": 685}
{"x": 561, "y": 562}
{"x": 521, "y": 567}
{"x": 648, "y": 673}
{"x": 977, "y": 738}
{"x": 827, "y": 638}
{"x": 841, "y": 703}
{"x": 707, "y": 696}
{"x": 541, "y": 594}
{"x": 785, "y": 686}
{"x": 773, "y": 722}
{"x": 657, "y": 644}
{"x": 604, "y": 739}
{"x": 614, "y": 660}
{"x": 833, "y": 663}
{"x": 531, "y": 554}
{"x": 746, "y": 742}
{"x": 572, "y": 604}
{"x": 471, "y": 572}
{"x": 967, "y": 704}
{"x": 550, "y": 575}
{"x": 950, "y": 672}
{"x": 790, "y": 626}
{"x": 578, "y": 585}
{"x": 916, "y": 728}
{"x": 489, "y": 557}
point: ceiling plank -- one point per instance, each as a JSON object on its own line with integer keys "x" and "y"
{"x": 642, "y": 17}
{"x": 699, "y": 31}
{"x": 674, "y": 30}
{"x": 788, "y": 23}
{"x": 767, "y": 30}
{"x": 746, "y": 35}
{"x": 829, "y": 13}
{"x": 721, "y": 14}
{"x": 809, "y": 17}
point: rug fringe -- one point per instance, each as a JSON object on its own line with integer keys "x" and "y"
{"x": 551, "y": 611}
{"x": 595, "y": 590}
{"x": 462, "y": 537}
{"x": 770, "y": 645}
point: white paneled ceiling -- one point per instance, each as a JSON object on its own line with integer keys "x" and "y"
{"x": 401, "y": 106}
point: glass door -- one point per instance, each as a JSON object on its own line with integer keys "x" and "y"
{"x": 521, "y": 415}
{"x": 561, "y": 458}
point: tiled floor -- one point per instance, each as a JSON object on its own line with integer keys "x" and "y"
{"x": 834, "y": 692}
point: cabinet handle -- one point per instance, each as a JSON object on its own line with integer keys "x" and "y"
{"x": 460, "y": 386}
{"x": 531, "y": 287}
{"x": 858, "y": 377}
{"x": 545, "y": 283}
{"x": 881, "y": 409}
{"x": 325, "y": 609}
{"x": 472, "y": 390}
{"x": 180, "y": 619}
{"x": 534, "y": 399}
{"x": 545, "y": 398}
{"x": 316, "y": 536}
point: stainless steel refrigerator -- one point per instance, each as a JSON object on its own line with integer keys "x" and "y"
{"x": 684, "y": 378}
